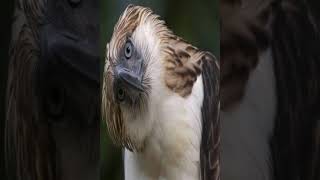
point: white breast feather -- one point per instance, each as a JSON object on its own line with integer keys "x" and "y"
{"x": 172, "y": 149}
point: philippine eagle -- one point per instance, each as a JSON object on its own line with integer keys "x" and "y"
{"x": 160, "y": 100}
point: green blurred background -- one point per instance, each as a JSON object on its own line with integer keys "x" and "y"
{"x": 194, "y": 20}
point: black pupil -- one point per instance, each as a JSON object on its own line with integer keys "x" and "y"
{"x": 121, "y": 94}
{"x": 128, "y": 51}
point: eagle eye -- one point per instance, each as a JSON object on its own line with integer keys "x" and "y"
{"x": 128, "y": 49}
{"x": 120, "y": 95}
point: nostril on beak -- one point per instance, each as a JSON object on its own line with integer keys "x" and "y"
{"x": 120, "y": 94}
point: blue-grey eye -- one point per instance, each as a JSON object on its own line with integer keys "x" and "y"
{"x": 128, "y": 49}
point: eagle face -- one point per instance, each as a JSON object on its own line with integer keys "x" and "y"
{"x": 129, "y": 86}
{"x": 131, "y": 73}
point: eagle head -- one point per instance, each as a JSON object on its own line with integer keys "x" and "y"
{"x": 131, "y": 74}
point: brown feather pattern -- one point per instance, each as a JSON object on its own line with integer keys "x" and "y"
{"x": 183, "y": 63}
{"x": 210, "y": 141}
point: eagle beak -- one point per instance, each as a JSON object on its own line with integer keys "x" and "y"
{"x": 128, "y": 84}
{"x": 130, "y": 78}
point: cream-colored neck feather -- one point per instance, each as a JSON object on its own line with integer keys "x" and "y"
{"x": 172, "y": 147}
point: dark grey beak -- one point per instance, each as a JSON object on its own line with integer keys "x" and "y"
{"x": 128, "y": 83}
{"x": 131, "y": 79}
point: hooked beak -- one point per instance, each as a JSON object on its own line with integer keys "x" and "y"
{"x": 131, "y": 79}
{"x": 128, "y": 81}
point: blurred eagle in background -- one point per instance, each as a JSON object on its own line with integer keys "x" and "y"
{"x": 52, "y": 100}
{"x": 160, "y": 101}
{"x": 270, "y": 89}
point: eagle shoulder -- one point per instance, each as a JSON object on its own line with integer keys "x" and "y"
{"x": 183, "y": 64}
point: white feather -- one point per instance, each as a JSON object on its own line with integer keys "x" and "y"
{"x": 172, "y": 147}
{"x": 247, "y": 128}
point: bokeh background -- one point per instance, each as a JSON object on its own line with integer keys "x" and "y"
{"x": 194, "y": 20}
{"x": 6, "y": 17}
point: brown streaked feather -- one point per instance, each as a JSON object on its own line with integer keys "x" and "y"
{"x": 210, "y": 142}
{"x": 183, "y": 63}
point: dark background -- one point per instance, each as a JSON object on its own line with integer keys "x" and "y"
{"x": 195, "y": 21}
{"x": 6, "y": 14}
